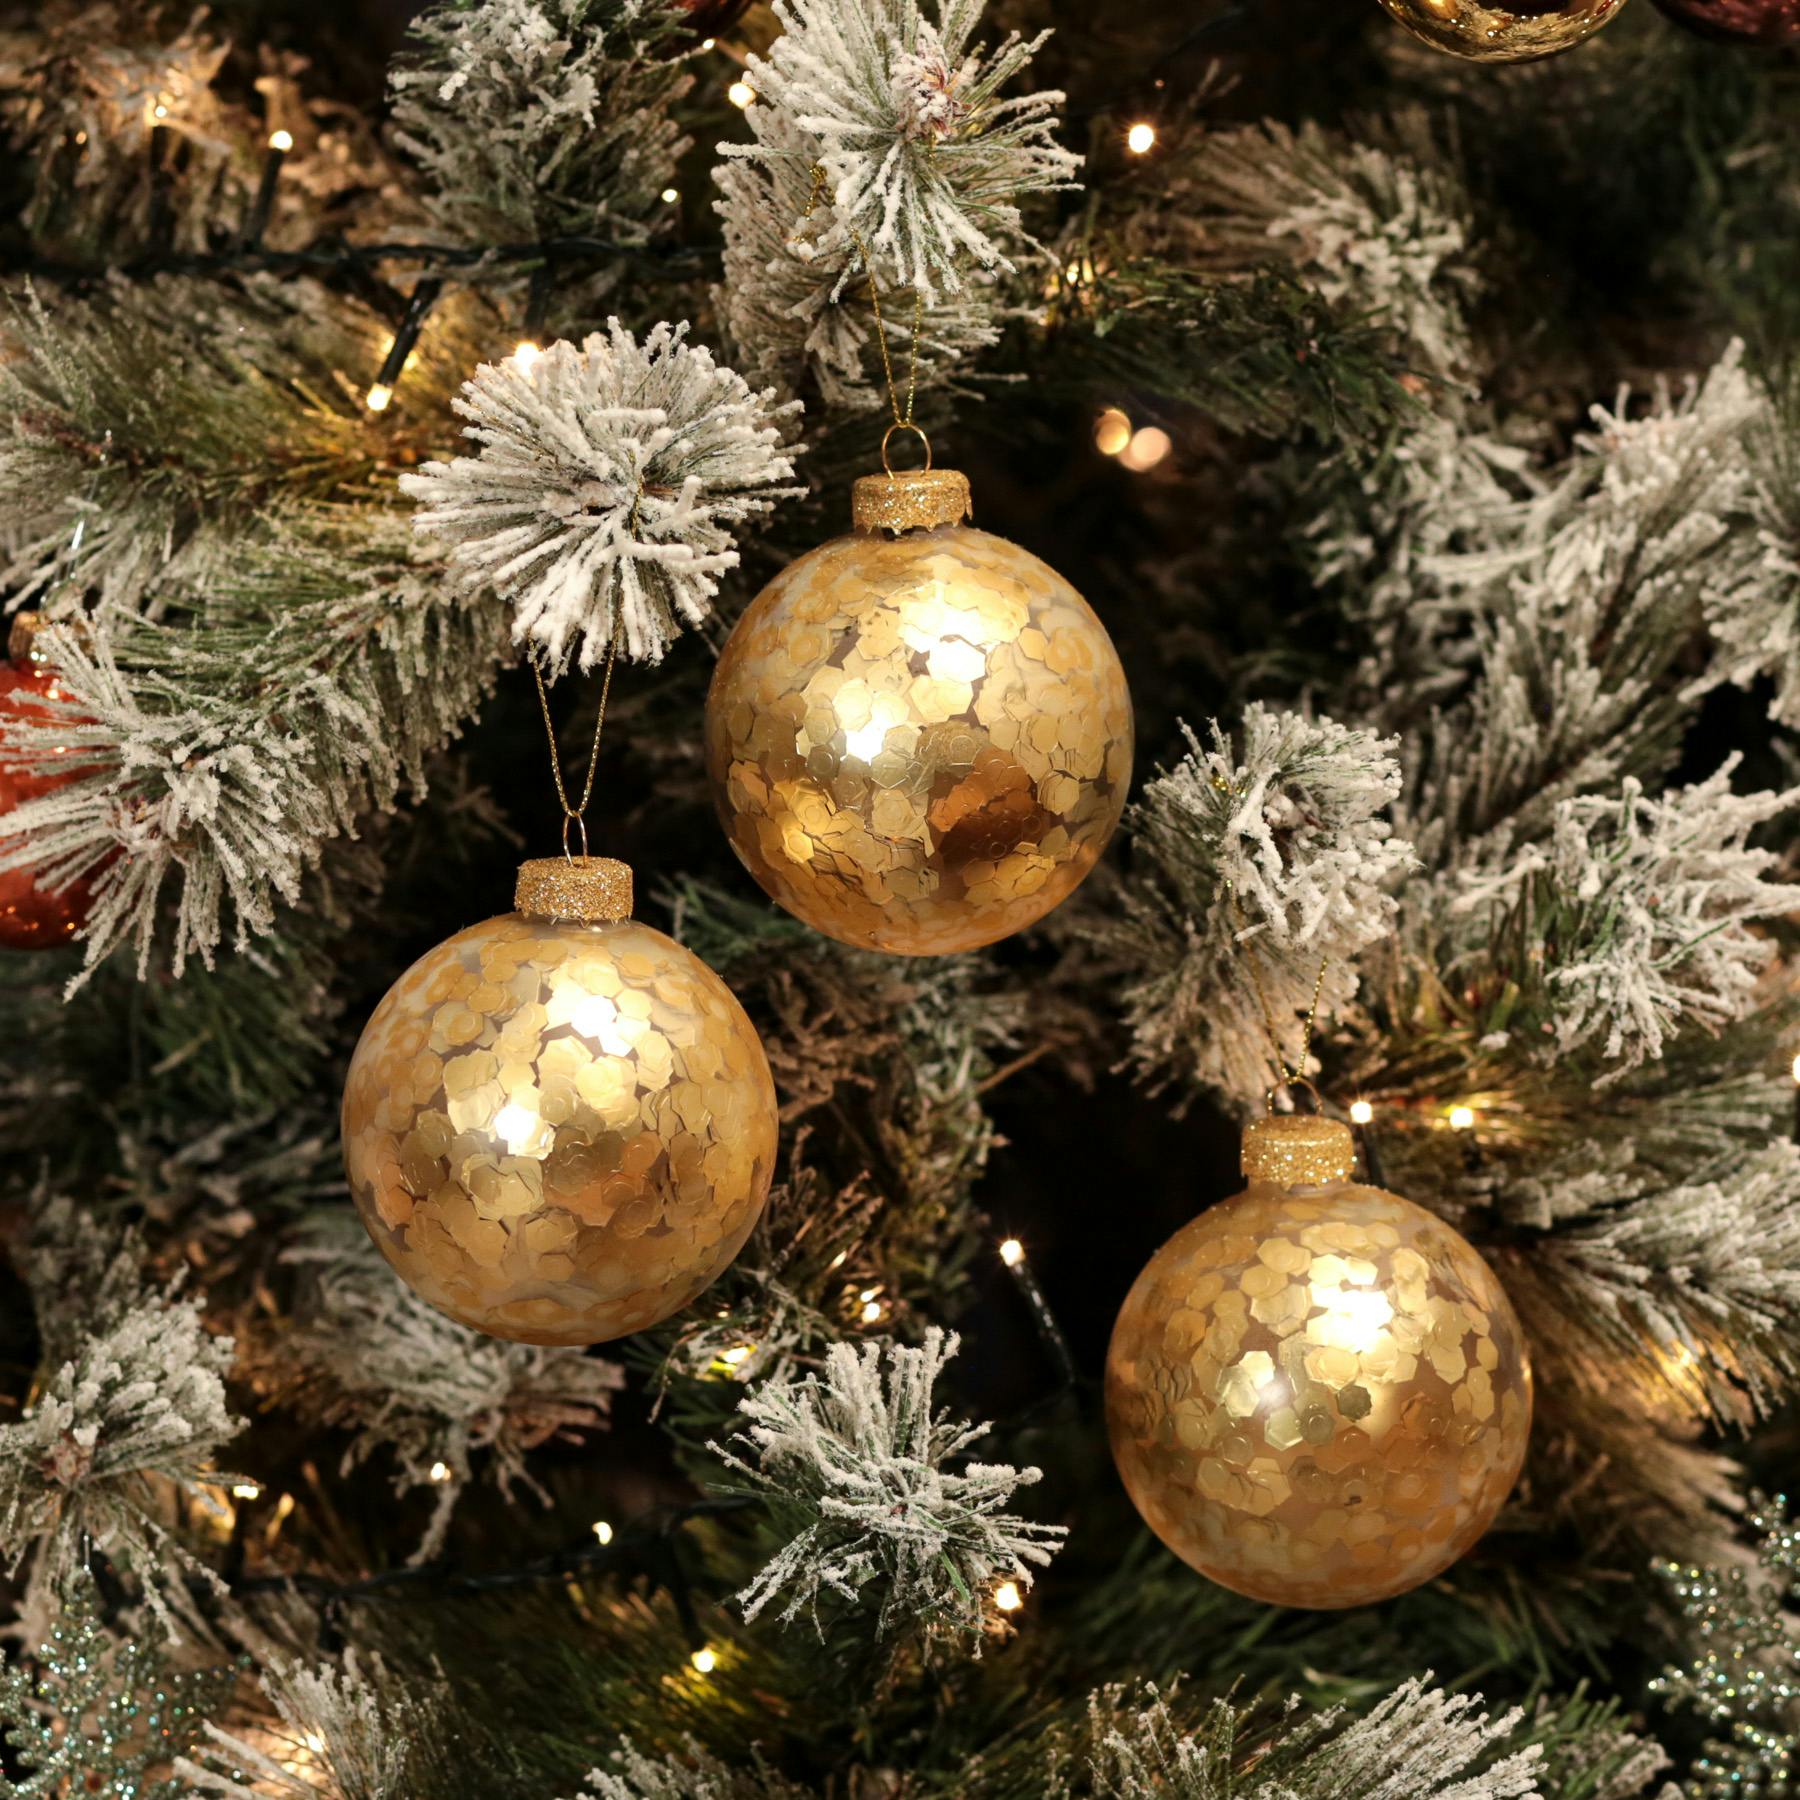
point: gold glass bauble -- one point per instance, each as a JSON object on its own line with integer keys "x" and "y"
{"x": 560, "y": 1127}
{"x": 1521, "y": 32}
{"x": 919, "y": 735}
{"x": 1318, "y": 1394}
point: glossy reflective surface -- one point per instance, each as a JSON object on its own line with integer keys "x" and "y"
{"x": 922, "y": 743}
{"x": 1516, "y": 33}
{"x": 559, "y": 1133}
{"x": 32, "y": 918}
{"x": 1318, "y": 1396}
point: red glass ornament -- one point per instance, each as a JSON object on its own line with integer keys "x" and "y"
{"x": 32, "y": 918}
{"x": 1769, "y": 23}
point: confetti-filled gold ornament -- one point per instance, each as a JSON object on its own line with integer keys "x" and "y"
{"x": 1521, "y": 32}
{"x": 1318, "y": 1393}
{"x": 919, "y": 735}
{"x": 559, "y": 1125}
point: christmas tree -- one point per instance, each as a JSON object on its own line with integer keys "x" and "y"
{"x": 1132, "y": 1129}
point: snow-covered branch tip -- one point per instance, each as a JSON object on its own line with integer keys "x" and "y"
{"x": 543, "y": 118}
{"x": 864, "y": 1460}
{"x": 347, "y": 1730}
{"x": 1260, "y": 866}
{"x": 792, "y": 318}
{"x": 922, "y": 158}
{"x": 1418, "y": 1743}
{"x": 609, "y": 477}
{"x": 132, "y": 1404}
{"x": 1638, "y": 913}
{"x": 690, "y": 1774}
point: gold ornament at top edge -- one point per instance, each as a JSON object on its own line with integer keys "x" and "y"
{"x": 914, "y": 500}
{"x": 585, "y": 890}
{"x": 1297, "y": 1149}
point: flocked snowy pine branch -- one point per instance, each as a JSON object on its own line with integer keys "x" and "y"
{"x": 1584, "y": 603}
{"x": 537, "y": 119}
{"x": 1380, "y": 225}
{"x": 610, "y": 477}
{"x": 1258, "y": 865}
{"x": 212, "y": 775}
{"x": 878, "y": 1481}
{"x": 923, "y": 158}
{"x": 367, "y": 1355}
{"x": 1418, "y": 1743}
{"x": 132, "y": 1410}
{"x": 1688, "y": 1292}
{"x": 350, "y": 1729}
{"x": 691, "y": 1773}
{"x": 797, "y": 313}
{"x": 1636, "y": 916}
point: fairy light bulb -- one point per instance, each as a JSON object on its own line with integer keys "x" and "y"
{"x": 440, "y": 1472}
{"x": 525, "y": 353}
{"x": 1147, "y": 446}
{"x": 1112, "y": 431}
{"x": 1797, "y": 1070}
{"x": 1141, "y": 138}
{"x": 281, "y": 140}
{"x": 871, "y": 1311}
{"x": 705, "y": 1660}
{"x": 1012, "y": 1253}
{"x": 603, "y": 1530}
{"x": 740, "y": 94}
{"x": 1462, "y": 1118}
{"x": 246, "y": 1490}
{"x": 1361, "y": 1112}
{"x": 379, "y": 397}
{"x": 670, "y": 196}
{"x": 1007, "y": 1597}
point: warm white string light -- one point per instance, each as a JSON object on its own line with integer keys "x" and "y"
{"x": 603, "y": 1530}
{"x": 1361, "y": 1112}
{"x": 1149, "y": 444}
{"x": 1012, "y": 1253}
{"x": 1007, "y": 1597}
{"x": 740, "y": 93}
{"x": 1140, "y": 140}
{"x": 1112, "y": 431}
{"x": 1462, "y": 1118}
{"x": 705, "y": 1660}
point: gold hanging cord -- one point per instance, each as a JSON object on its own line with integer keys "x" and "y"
{"x": 576, "y": 815}
{"x": 903, "y": 417}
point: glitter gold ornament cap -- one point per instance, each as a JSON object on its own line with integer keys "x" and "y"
{"x": 1297, "y": 1150}
{"x": 914, "y": 500}
{"x": 584, "y": 890}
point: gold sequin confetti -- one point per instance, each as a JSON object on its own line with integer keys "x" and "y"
{"x": 1318, "y": 1395}
{"x": 559, "y": 1132}
{"x": 921, "y": 743}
